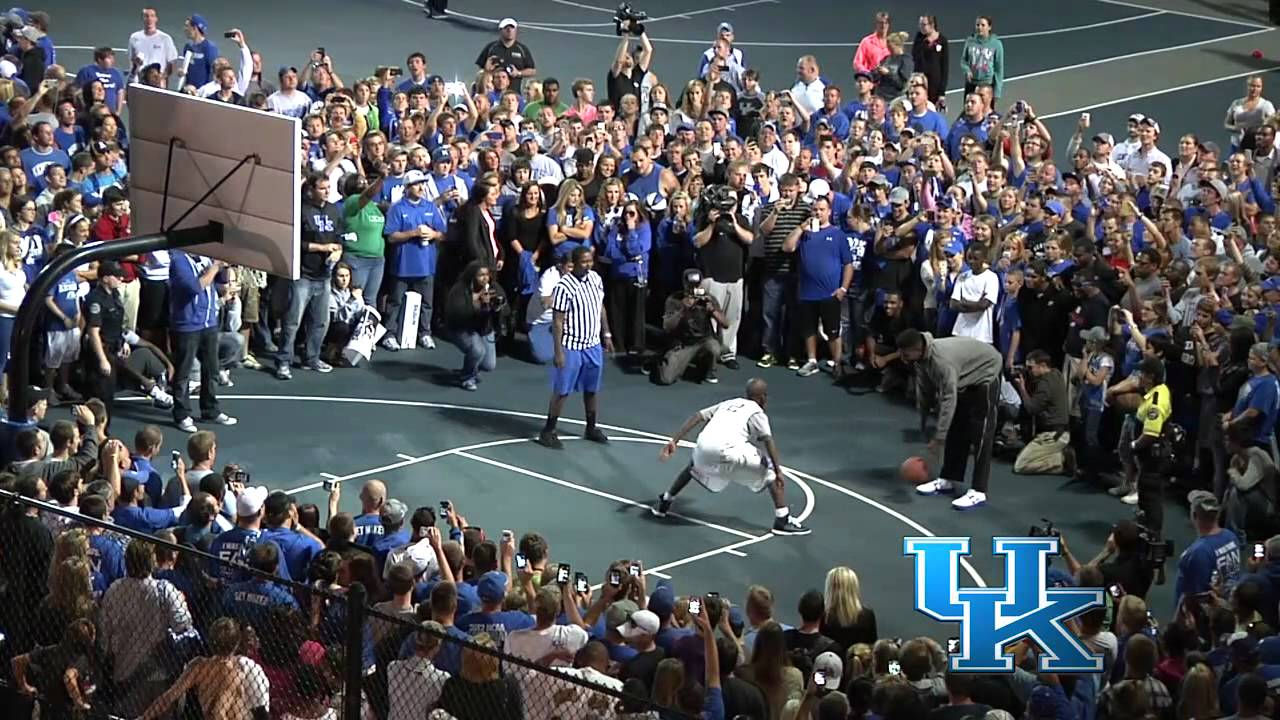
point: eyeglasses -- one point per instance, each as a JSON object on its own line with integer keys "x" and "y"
{"x": 631, "y": 213}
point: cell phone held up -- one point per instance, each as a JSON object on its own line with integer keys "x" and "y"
{"x": 695, "y": 606}
{"x": 563, "y": 573}
{"x": 580, "y": 583}
{"x": 174, "y": 458}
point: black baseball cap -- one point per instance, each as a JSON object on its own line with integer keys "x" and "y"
{"x": 110, "y": 268}
{"x": 584, "y": 156}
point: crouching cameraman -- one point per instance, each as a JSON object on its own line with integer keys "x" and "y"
{"x": 1049, "y": 452}
{"x": 687, "y": 321}
{"x": 475, "y": 311}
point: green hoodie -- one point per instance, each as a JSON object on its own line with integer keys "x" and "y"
{"x": 983, "y": 62}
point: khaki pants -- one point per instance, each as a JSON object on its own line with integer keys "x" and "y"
{"x": 1043, "y": 455}
{"x": 129, "y": 294}
{"x": 729, "y": 297}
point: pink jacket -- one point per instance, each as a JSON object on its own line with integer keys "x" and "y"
{"x": 871, "y": 50}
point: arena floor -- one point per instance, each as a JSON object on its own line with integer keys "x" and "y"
{"x": 401, "y": 420}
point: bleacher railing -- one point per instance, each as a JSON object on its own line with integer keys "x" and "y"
{"x": 93, "y": 635}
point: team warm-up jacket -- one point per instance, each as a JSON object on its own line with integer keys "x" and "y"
{"x": 951, "y": 365}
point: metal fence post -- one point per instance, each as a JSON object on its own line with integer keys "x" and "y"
{"x": 353, "y": 692}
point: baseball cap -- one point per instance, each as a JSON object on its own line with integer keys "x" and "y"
{"x": 1094, "y": 334}
{"x": 492, "y": 587}
{"x": 35, "y": 394}
{"x": 198, "y": 22}
{"x": 108, "y": 268}
{"x": 1203, "y": 501}
{"x": 899, "y": 196}
{"x": 393, "y": 512}
{"x": 441, "y": 154}
{"x": 1217, "y": 185}
{"x": 1137, "y": 118}
{"x": 717, "y": 111}
{"x": 34, "y": 34}
{"x": 684, "y": 127}
{"x": 432, "y": 79}
{"x": 830, "y": 665}
{"x": 955, "y": 247}
{"x": 1105, "y": 137}
{"x": 824, "y": 120}
{"x": 818, "y": 188}
{"x": 286, "y": 69}
{"x": 250, "y": 501}
{"x": 413, "y": 177}
{"x": 880, "y": 180}
{"x": 1211, "y": 147}
{"x": 507, "y": 22}
{"x": 129, "y": 483}
{"x": 1271, "y": 283}
{"x": 584, "y": 156}
{"x": 724, "y": 27}
{"x": 770, "y": 125}
{"x": 277, "y": 503}
{"x": 1151, "y": 123}
{"x": 659, "y": 107}
{"x": 419, "y": 557}
{"x": 662, "y": 601}
{"x": 8, "y": 69}
{"x": 527, "y": 137}
{"x": 1055, "y": 207}
{"x": 619, "y": 613}
{"x": 641, "y": 622}
{"x": 863, "y": 74}
{"x": 461, "y": 107}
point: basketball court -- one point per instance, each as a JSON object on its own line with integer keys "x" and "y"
{"x": 402, "y": 420}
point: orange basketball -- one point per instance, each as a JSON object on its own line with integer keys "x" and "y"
{"x": 914, "y": 470}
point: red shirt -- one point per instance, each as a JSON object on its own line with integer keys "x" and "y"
{"x": 108, "y": 228}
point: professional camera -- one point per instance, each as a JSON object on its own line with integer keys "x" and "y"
{"x": 10, "y": 23}
{"x": 1045, "y": 530}
{"x": 629, "y": 21}
{"x": 1153, "y": 549}
{"x": 721, "y": 198}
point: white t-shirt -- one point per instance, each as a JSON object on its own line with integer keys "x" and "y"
{"x": 972, "y": 288}
{"x": 154, "y": 49}
{"x": 13, "y": 287}
{"x": 733, "y": 423}
{"x": 536, "y": 689}
{"x": 539, "y": 314}
{"x": 414, "y": 686}
{"x": 294, "y": 104}
{"x": 339, "y": 171}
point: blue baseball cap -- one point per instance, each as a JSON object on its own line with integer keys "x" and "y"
{"x": 492, "y": 587}
{"x": 441, "y": 154}
{"x": 198, "y": 22}
{"x": 528, "y": 137}
{"x": 434, "y": 79}
{"x": 955, "y": 247}
{"x": 1271, "y": 283}
{"x": 1055, "y": 207}
{"x": 662, "y": 602}
{"x": 684, "y": 126}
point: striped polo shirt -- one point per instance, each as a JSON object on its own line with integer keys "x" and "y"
{"x": 581, "y": 302}
{"x": 777, "y": 262}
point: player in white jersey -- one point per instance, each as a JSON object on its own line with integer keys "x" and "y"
{"x": 735, "y": 446}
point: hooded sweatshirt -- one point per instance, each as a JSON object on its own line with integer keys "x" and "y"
{"x": 951, "y": 365}
{"x": 984, "y": 61}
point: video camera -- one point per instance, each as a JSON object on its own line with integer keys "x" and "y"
{"x": 1045, "y": 530}
{"x": 629, "y": 21}
{"x": 721, "y": 198}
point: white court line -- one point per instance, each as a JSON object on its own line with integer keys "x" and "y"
{"x": 326, "y": 476}
{"x": 657, "y": 574}
{"x": 598, "y": 493}
{"x": 1074, "y": 28}
{"x": 582, "y": 6}
{"x": 403, "y": 456}
{"x": 563, "y": 28}
{"x": 736, "y": 553}
{"x": 1127, "y": 56}
{"x": 1197, "y": 16}
{"x": 404, "y": 463}
{"x": 1166, "y": 91}
{"x": 85, "y": 47}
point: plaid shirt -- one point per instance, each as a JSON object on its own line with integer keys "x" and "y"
{"x": 1157, "y": 696}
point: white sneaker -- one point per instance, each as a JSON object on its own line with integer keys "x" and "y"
{"x": 426, "y": 342}
{"x": 223, "y": 419}
{"x": 187, "y": 425}
{"x": 808, "y": 369}
{"x": 389, "y": 343}
{"x": 1130, "y": 499}
{"x": 160, "y": 398}
{"x": 970, "y": 500}
{"x": 935, "y": 487}
{"x": 224, "y": 378}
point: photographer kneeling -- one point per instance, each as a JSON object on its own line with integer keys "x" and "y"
{"x": 1049, "y": 452}
{"x": 474, "y": 312}
{"x": 687, "y": 321}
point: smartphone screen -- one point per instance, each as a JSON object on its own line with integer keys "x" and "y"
{"x": 819, "y": 678}
{"x": 1259, "y": 551}
{"x": 562, "y": 574}
{"x": 894, "y": 667}
{"x": 580, "y": 583}
{"x": 521, "y": 561}
{"x": 635, "y": 571}
{"x": 1116, "y": 591}
{"x": 953, "y": 645}
{"x": 444, "y": 506}
{"x": 615, "y": 578}
{"x": 714, "y": 596}
{"x": 175, "y": 457}
{"x": 695, "y": 606}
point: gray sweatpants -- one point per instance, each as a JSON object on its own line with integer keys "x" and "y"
{"x": 729, "y": 297}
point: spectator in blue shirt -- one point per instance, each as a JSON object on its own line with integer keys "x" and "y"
{"x": 253, "y": 599}
{"x": 414, "y": 226}
{"x": 106, "y": 552}
{"x": 825, "y": 270}
{"x": 972, "y": 122}
{"x": 391, "y": 515}
{"x": 921, "y": 117}
{"x": 832, "y": 113}
{"x": 130, "y": 513}
{"x": 1216, "y": 550}
{"x": 198, "y": 54}
{"x": 232, "y": 547}
{"x": 491, "y": 618}
{"x": 1259, "y": 401}
{"x": 297, "y": 545}
{"x": 104, "y": 71}
{"x": 43, "y": 151}
{"x": 369, "y": 522}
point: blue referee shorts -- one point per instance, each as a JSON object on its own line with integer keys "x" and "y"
{"x": 583, "y": 371}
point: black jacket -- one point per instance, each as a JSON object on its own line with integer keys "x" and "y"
{"x": 472, "y": 239}
{"x": 930, "y": 59}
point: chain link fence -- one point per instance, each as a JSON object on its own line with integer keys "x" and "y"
{"x": 99, "y": 621}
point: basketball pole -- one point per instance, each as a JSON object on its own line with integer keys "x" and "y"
{"x": 32, "y": 305}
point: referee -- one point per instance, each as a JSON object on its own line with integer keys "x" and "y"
{"x": 578, "y": 325}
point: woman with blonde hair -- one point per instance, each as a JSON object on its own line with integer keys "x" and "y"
{"x": 1248, "y": 113}
{"x": 479, "y": 689}
{"x": 693, "y": 103}
{"x": 668, "y": 680}
{"x": 70, "y": 598}
{"x": 771, "y": 670}
{"x": 1198, "y": 698}
{"x": 846, "y": 620}
{"x": 13, "y": 288}
{"x": 571, "y": 222}
{"x": 894, "y": 70}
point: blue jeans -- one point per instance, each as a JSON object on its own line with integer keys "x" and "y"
{"x": 540, "y": 343}
{"x": 309, "y": 299}
{"x": 366, "y": 274}
{"x": 777, "y": 302}
{"x": 479, "y": 352}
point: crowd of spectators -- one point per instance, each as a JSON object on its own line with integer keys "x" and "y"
{"x": 1131, "y": 292}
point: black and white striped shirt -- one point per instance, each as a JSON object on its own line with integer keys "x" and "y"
{"x": 581, "y": 302}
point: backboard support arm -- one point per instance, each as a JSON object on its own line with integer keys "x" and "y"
{"x": 168, "y": 172}
{"x": 32, "y": 304}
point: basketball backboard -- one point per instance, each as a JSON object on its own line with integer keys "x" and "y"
{"x": 182, "y": 147}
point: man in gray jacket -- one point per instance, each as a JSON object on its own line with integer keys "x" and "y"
{"x": 964, "y": 375}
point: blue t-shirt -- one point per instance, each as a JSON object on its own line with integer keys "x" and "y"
{"x": 1008, "y": 321}
{"x": 252, "y": 600}
{"x": 112, "y": 81}
{"x": 861, "y": 247}
{"x": 106, "y": 561}
{"x": 65, "y": 296}
{"x": 203, "y": 53}
{"x": 368, "y": 529}
{"x": 1218, "y": 552}
{"x": 71, "y": 140}
{"x": 147, "y": 520}
{"x": 1262, "y": 393}
{"x": 497, "y": 624}
{"x": 930, "y": 121}
{"x": 142, "y": 467}
{"x": 35, "y": 163}
{"x": 572, "y": 217}
{"x": 233, "y": 546}
{"x": 823, "y": 255}
{"x": 34, "y": 256}
{"x": 468, "y": 598}
{"x": 414, "y": 258}
{"x": 383, "y": 545}
{"x": 298, "y": 549}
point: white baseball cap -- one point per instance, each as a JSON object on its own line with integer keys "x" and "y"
{"x": 507, "y": 22}
{"x": 249, "y": 501}
{"x": 641, "y": 622}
